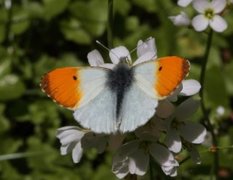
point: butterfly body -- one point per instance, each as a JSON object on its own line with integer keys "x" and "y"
{"x": 118, "y": 99}
{"x": 119, "y": 81}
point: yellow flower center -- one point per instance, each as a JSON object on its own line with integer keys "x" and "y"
{"x": 209, "y": 13}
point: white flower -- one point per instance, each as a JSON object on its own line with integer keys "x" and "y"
{"x": 70, "y": 139}
{"x": 209, "y": 15}
{"x": 220, "y": 111}
{"x": 133, "y": 157}
{"x": 75, "y": 140}
{"x": 181, "y": 19}
{"x": 145, "y": 51}
{"x": 188, "y": 87}
{"x": 179, "y": 126}
{"x": 184, "y": 3}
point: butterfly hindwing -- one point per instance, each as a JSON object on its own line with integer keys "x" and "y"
{"x": 99, "y": 114}
{"x": 137, "y": 109}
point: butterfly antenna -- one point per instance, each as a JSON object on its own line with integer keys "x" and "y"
{"x": 140, "y": 45}
{"x": 106, "y": 48}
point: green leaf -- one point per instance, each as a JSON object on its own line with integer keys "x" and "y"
{"x": 148, "y": 5}
{"x": 132, "y": 23}
{"x": 53, "y": 8}
{"x": 11, "y": 87}
{"x": 215, "y": 88}
{"x": 3, "y": 19}
{"x": 5, "y": 67}
{"x": 228, "y": 76}
{"x": 4, "y": 122}
{"x": 20, "y": 20}
{"x": 73, "y": 31}
{"x": 91, "y": 15}
{"x": 122, "y": 7}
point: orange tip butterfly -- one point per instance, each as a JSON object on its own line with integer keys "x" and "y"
{"x": 119, "y": 99}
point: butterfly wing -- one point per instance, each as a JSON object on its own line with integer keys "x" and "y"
{"x": 84, "y": 90}
{"x": 100, "y": 113}
{"x": 159, "y": 78}
{"x": 73, "y": 87}
{"x": 137, "y": 109}
{"x": 154, "y": 80}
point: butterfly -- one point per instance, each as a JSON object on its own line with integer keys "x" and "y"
{"x": 115, "y": 100}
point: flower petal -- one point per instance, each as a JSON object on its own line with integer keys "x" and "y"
{"x": 218, "y": 5}
{"x": 165, "y": 109}
{"x": 107, "y": 65}
{"x": 138, "y": 162}
{"x": 118, "y": 53}
{"x": 95, "y": 58}
{"x": 147, "y": 46}
{"x": 201, "y": 5}
{"x": 199, "y": 22}
{"x": 74, "y": 136}
{"x": 120, "y": 165}
{"x": 77, "y": 153}
{"x": 181, "y": 19}
{"x": 121, "y": 159}
{"x": 173, "y": 141}
{"x": 186, "y": 109}
{"x": 184, "y": 3}
{"x": 91, "y": 140}
{"x": 171, "y": 170}
{"x": 68, "y": 132}
{"x": 64, "y": 149}
{"x": 145, "y": 57}
{"x": 193, "y": 132}
{"x": 218, "y": 24}
{"x": 190, "y": 87}
{"x": 161, "y": 154}
{"x": 174, "y": 96}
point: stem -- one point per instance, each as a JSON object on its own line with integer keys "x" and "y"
{"x": 110, "y": 24}
{"x": 7, "y": 32}
{"x": 203, "y": 107}
{"x": 151, "y": 169}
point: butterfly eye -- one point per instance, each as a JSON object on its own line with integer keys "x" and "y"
{"x": 160, "y": 68}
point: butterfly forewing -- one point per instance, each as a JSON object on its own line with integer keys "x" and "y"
{"x": 63, "y": 86}
{"x": 73, "y": 87}
{"x": 169, "y": 74}
{"x": 159, "y": 78}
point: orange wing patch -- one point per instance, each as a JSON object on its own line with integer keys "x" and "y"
{"x": 63, "y": 86}
{"x": 170, "y": 72}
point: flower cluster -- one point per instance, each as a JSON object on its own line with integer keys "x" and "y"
{"x": 170, "y": 121}
{"x": 209, "y": 14}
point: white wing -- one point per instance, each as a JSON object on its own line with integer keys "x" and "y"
{"x": 97, "y": 107}
{"x": 99, "y": 114}
{"x": 140, "y": 100}
{"x": 137, "y": 108}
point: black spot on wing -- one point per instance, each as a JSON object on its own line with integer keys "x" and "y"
{"x": 75, "y": 78}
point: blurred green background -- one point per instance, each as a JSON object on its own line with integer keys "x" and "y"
{"x": 39, "y": 35}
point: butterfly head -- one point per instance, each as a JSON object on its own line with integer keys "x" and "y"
{"x": 125, "y": 60}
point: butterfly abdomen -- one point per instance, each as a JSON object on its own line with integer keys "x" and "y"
{"x": 119, "y": 81}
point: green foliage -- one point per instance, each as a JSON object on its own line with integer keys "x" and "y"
{"x": 37, "y": 36}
